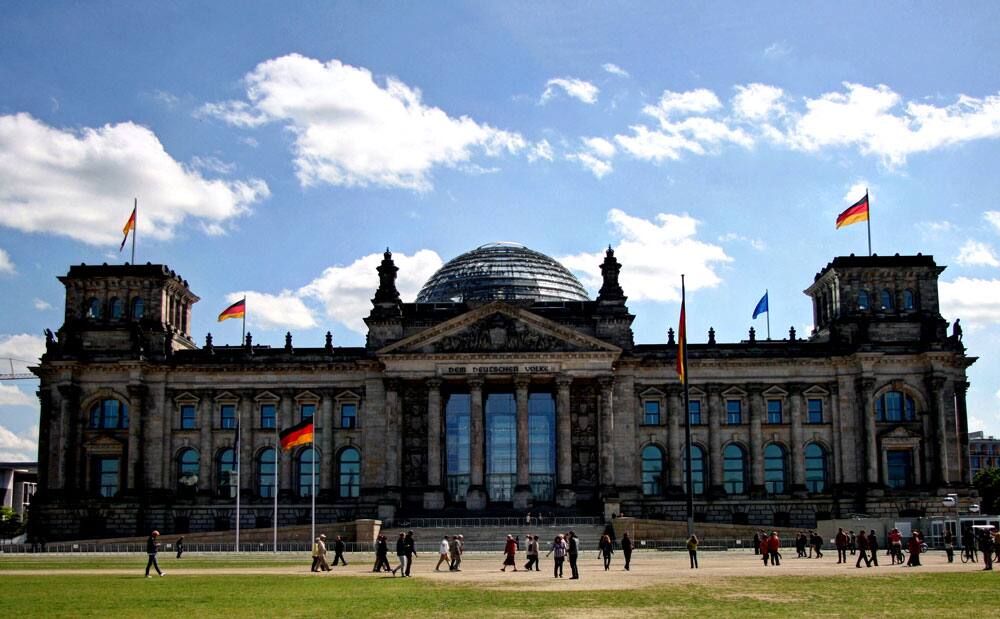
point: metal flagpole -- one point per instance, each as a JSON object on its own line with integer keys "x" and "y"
{"x": 277, "y": 446}
{"x": 313, "y": 489}
{"x": 768, "y": 314}
{"x": 687, "y": 423}
{"x": 135, "y": 226}
{"x": 245, "y": 324}
{"x": 238, "y": 480}
{"x": 869, "y": 221}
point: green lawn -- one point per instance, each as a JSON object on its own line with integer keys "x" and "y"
{"x": 900, "y": 595}
{"x": 138, "y": 561}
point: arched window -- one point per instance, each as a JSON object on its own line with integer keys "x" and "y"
{"x": 886, "y": 299}
{"x": 908, "y": 303}
{"x": 652, "y": 471}
{"x": 350, "y": 473}
{"x": 697, "y": 469}
{"x": 817, "y": 474}
{"x": 304, "y": 472}
{"x": 895, "y": 406}
{"x": 266, "y": 473}
{"x": 775, "y": 469}
{"x": 93, "y": 308}
{"x": 117, "y": 308}
{"x": 187, "y": 470}
{"x": 864, "y": 302}
{"x": 734, "y": 469}
{"x": 225, "y": 473}
{"x": 108, "y": 415}
{"x": 138, "y": 307}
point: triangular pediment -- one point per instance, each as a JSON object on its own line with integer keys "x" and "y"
{"x": 498, "y": 328}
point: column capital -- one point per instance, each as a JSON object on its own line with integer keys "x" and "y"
{"x": 712, "y": 388}
{"x": 475, "y": 383}
{"x": 606, "y": 381}
{"x": 564, "y": 380}
{"x": 137, "y": 391}
{"x": 961, "y": 386}
{"x": 935, "y": 381}
{"x": 433, "y": 383}
{"x": 796, "y": 388}
{"x": 865, "y": 383}
{"x": 393, "y": 384}
{"x": 754, "y": 388}
{"x": 69, "y": 392}
{"x": 522, "y": 382}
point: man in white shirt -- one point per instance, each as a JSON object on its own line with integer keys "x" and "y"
{"x": 444, "y": 554}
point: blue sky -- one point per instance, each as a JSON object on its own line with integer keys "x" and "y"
{"x": 275, "y": 151}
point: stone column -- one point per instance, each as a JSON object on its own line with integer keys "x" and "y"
{"x": 716, "y": 411}
{"x": 836, "y": 458}
{"x": 434, "y": 495}
{"x": 607, "y": 434}
{"x": 46, "y": 438}
{"x": 936, "y": 390}
{"x": 675, "y": 438}
{"x": 522, "y": 491}
{"x": 756, "y": 439}
{"x": 798, "y": 460}
{"x": 566, "y": 496}
{"x": 74, "y": 461}
{"x": 205, "y": 456}
{"x": 327, "y": 427}
{"x": 136, "y": 472}
{"x": 864, "y": 388}
{"x": 475, "y": 498}
{"x": 247, "y": 429}
{"x": 962, "y": 430}
{"x": 393, "y": 439}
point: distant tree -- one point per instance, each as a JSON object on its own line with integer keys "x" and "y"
{"x": 987, "y": 482}
{"x": 10, "y": 524}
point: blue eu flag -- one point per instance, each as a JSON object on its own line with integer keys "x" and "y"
{"x": 761, "y": 306}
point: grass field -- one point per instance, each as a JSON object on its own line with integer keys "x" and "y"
{"x": 261, "y": 586}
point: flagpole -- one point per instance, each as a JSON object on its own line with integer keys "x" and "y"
{"x": 244, "y": 338}
{"x": 768, "y": 314}
{"x": 869, "y": 221}
{"x": 313, "y": 490}
{"x": 276, "y": 452}
{"x": 239, "y": 481}
{"x": 135, "y": 226}
{"x": 687, "y": 422}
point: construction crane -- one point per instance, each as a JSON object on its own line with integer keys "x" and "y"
{"x": 12, "y": 375}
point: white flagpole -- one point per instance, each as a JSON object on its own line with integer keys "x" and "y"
{"x": 313, "y": 490}
{"x": 239, "y": 448}
{"x": 276, "y": 452}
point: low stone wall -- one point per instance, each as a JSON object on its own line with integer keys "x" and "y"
{"x": 358, "y": 531}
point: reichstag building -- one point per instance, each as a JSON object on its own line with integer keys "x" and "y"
{"x": 504, "y": 388}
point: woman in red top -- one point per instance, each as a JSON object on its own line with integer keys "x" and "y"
{"x": 763, "y": 549}
{"x": 510, "y": 549}
{"x": 914, "y": 547}
{"x": 774, "y": 548}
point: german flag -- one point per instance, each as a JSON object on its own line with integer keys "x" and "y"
{"x": 681, "y": 344}
{"x": 129, "y": 226}
{"x": 857, "y": 212}
{"x": 299, "y": 434}
{"x": 236, "y": 310}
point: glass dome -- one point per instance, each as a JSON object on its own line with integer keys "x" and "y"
{"x": 502, "y": 271}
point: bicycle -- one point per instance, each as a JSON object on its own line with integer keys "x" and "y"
{"x": 969, "y": 554}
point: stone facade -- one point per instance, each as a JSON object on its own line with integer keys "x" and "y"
{"x": 867, "y": 415}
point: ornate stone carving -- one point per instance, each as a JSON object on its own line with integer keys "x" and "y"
{"x": 500, "y": 333}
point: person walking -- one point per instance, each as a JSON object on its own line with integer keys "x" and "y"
{"x": 627, "y": 549}
{"x": 763, "y": 550}
{"x": 461, "y": 552}
{"x": 692, "y": 546}
{"x": 873, "y": 548}
{"x": 986, "y": 548}
{"x": 896, "y": 546}
{"x": 604, "y": 550}
{"x": 574, "y": 553}
{"x": 443, "y": 550}
{"x": 774, "y": 548}
{"x": 321, "y": 548}
{"x": 756, "y": 542}
{"x": 401, "y": 555}
{"x": 381, "y": 550}
{"x": 558, "y": 548}
{"x": 453, "y": 550}
{"x": 862, "y": 544}
{"x": 315, "y": 556}
{"x": 914, "y": 548}
{"x": 179, "y": 546}
{"x": 532, "y": 553}
{"x": 949, "y": 546}
{"x": 411, "y": 551}
{"x": 853, "y": 543}
{"x": 817, "y": 544}
{"x": 338, "y": 551}
{"x": 153, "y": 547}
{"x": 509, "y": 551}
{"x": 841, "y": 541}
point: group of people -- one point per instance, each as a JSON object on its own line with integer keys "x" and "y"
{"x": 768, "y": 546}
{"x": 809, "y": 544}
{"x": 450, "y": 552}
{"x": 319, "y": 553}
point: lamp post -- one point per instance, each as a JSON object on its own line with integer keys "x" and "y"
{"x": 951, "y": 500}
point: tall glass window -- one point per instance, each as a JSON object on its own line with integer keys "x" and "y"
{"x": 734, "y": 469}
{"x": 187, "y": 469}
{"x": 138, "y": 307}
{"x": 908, "y": 303}
{"x": 886, "y": 298}
{"x": 117, "y": 308}
{"x": 94, "y": 308}
{"x": 306, "y": 411}
{"x": 900, "y": 468}
{"x": 266, "y": 473}
{"x": 457, "y": 444}
{"x": 350, "y": 473}
{"x": 189, "y": 417}
{"x": 775, "y": 469}
{"x": 774, "y": 411}
{"x": 895, "y": 406}
{"x": 304, "y": 471}
{"x": 734, "y": 411}
{"x": 106, "y": 476}
{"x": 268, "y": 415}
{"x": 542, "y": 446}
{"x": 108, "y": 415}
{"x": 815, "y": 406}
{"x": 697, "y": 469}
{"x": 348, "y": 415}
{"x": 501, "y": 446}
{"x": 694, "y": 410}
{"x": 816, "y": 468}
{"x": 651, "y": 412}
{"x": 652, "y": 471}
{"x": 864, "y": 302}
{"x": 225, "y": 473}
{"x": 227, "y": 416}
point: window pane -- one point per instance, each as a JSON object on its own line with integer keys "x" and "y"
{"x": 138, "y": 308}
{"x": 863, "y": 302}
{"x": 652, "y": 471}
{"x": 697, "y": 469}
{"x": 734, "y": 411}
{"x": 107, "y": 476}
{"x": 900, "y": 469}
{"x": 501, "y": 446}
{"x": 652, "y": 413}
{"x": 542, "y": 446}
{"x": 893, "y": 406}
{"x": 457, "y": 445}
{"x": 267, "y": 415}
{"x": 815, "y": 411}
{"x": 886, "y": 299}
{"x": 907, "y": 299}
{"x": 226, "y": 473}
{"x": 774, "y": 411}
{"x": 305, "y": 466}
{"x": 188, "y": 418}
{"x": 306, "y": 411}
{"x": 350, "y": 473}
{"x": 694, "y": 410}
{"x": 348, "y": 415}
{"x": 187, "y": 469}
{"x": 117, "y": 308}
{"x": 227, "y": 414}
{"x": 266, "y": 473}
{"x": 775, "y": 469}
{"x": 734, "y": 469}
{"x": 816, "y": 468}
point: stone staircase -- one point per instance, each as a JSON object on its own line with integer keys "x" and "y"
{"x": 493, "y": 538}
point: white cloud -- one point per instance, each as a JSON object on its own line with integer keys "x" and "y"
{"x": 6, "y": 264}
{"x": 653, "y": 254}
{"x": 729, "y": 237}
{"x": 855, "y": 192}
{"x": 167, "y": 99}
{"x": 350, "y": 130}
{"x": 10, "y": 395}
{"x": 16, "y": 448}
{"x": 993, "y": 218}
{"x": 540, "y": 150}
{"x": 212, "y": 164}
{"x": 272, "y": 311}
{"x": 974, "y": 253}
{"x": 24, "y": 349}
{"x": 595, "y": 155}
{"x": 614, "y": 69}
{"x": 42, "y": 305}
{"x": 976, "y": 424}
{"x": 758, "y": 101}
{"x": 697, "y": 135}
{"x": 80, "y": 184}
{"x": 975, "y": 301}
{"x": 574, "y": 87}
{"x": 600, "y": 147}
{"x": 696, "y": 101}
{"x": 778, "y": 49}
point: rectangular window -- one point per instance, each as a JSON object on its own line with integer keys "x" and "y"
{"x": 268, "y": 415}
{"x": 815, "y": 410}
{"x": 106, "y": 476}
{"x": 774, "y": 411}
{"x": 694, "y": 411}
{"x": 306, "y": 411}
{"x": 348, "y": 415}
{"x": 734, "y": 412}
{"x": 900, "y": 468}
{"x": 651, "y": 413}
{"x": 227, "y": 416}
{"x": 189, "y": 420}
